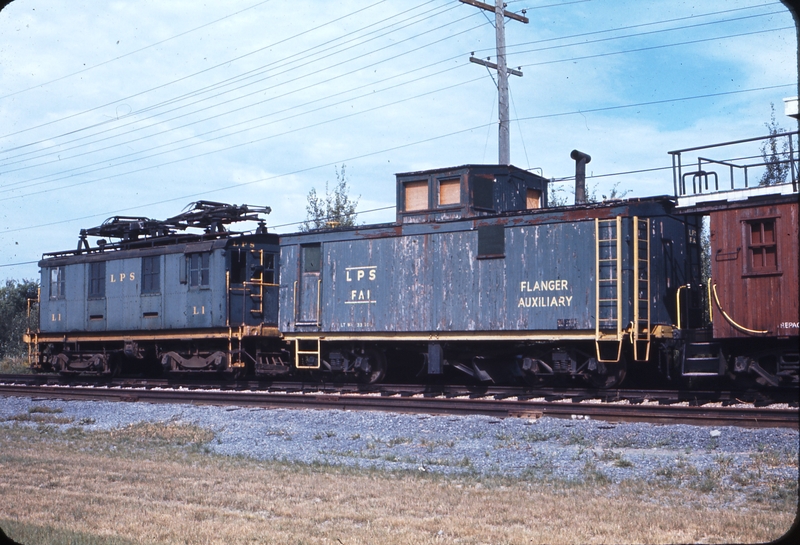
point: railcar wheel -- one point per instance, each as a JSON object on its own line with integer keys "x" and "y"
{"x": 607, "y": 375}
{"x": 372, "y": 366}
{"x": 535, "y": 372}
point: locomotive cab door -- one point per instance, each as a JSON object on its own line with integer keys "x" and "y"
{"x": 253, "y": 294}
{"x": 309, "y": 285}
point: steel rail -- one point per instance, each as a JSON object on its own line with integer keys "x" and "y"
{"x": 634, "y": 395}
{"x": 501, "y": 408}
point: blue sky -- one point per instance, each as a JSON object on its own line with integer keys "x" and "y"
{"x": 139, "y": 108}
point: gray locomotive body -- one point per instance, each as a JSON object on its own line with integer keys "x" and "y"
{"x": 182, "y": 301}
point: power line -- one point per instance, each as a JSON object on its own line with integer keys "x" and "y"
{"x": 654, "y": 102}
{"x": 605, "y": 31}
{"x": 134, "y": 52}
{"x": 225, "y": 63}
{"x": 577, "y": 44}
{"x": 8, "y": 187}
{"x": 250, "y": 120}
{"x": 378, "y": 152}
{"x": 236, "y": 132}
{"x": 222, "y": 149}
{"x": 649, "y": 48}
{"x": 259, "y": 91}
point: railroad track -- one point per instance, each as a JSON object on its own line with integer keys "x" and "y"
{"x": 709, "y": 408}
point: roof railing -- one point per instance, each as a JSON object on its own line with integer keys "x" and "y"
{"x": 787, "y": 154}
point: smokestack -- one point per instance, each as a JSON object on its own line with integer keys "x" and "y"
{"x": 580, "y": 159}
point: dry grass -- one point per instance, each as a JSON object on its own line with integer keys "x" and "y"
{"x": 155, "y": 483}
{"x": 14, "y": 365}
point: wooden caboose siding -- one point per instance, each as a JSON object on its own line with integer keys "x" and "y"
{"x": 757, "y": 300}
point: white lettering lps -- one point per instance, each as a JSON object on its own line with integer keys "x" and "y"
{"x": 363, "y": 294}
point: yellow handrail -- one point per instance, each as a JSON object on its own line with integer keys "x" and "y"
{"x": 678, "y": 303}
{"x": 730, "y": 320}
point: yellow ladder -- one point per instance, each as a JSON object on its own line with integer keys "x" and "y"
{"x": 608, "y": 277}
{"x": 640, "y": 335}
{"x": 307, "y": 353}
{"x": 257, "y": 282}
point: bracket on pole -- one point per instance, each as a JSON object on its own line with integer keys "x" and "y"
{"x": 494, "y": 66}
{"x": 487, "y": 7}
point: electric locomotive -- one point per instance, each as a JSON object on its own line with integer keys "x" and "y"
{"x": 161, "y": 297}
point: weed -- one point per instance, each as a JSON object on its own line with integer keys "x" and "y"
{"x": 277, "y": 433}
{"x": 708, "y": 482}
{"x": 626, "y": 441}
{"x": 622, "y": 462}
{"x": 45, "y": 410}
{"x": 594, "y": 475}
{"x": 40, "y": 418}
{"x": 394, "y": 441}
{"x": 578, "y": 439}
{"x": 433, "y": 444}
{"x": 536, "y": 436}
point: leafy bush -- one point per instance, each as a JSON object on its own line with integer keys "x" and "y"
{"x": 14, "y": 319}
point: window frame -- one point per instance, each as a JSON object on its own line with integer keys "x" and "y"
{"x": 199, "y": 276}
{"x": 416, "y": 185}
{"x": 309, "y": 265}
{"x": 97, "y": 280}
{"x": 149, "y": 286}
{"x": 448, "y": 181}
{"x": 752, "y": 249}
{"x": 59, "y": 283}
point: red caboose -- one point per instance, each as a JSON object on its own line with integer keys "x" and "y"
{"x": 751, "y": 294}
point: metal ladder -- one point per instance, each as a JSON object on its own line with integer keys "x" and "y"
{"x": 307, "y": 353}
{"x": 640, "y": 335}
{"x": 608, "y": 277}
{"x": 256, "y": 290}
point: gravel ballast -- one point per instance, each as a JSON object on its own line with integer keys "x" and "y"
{"x": 547, "y": 448}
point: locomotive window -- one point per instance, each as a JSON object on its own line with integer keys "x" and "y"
{"x": 311, "y": 258}
{"x": 57, "y": 283}
{"x": 533, "y": 199}
{"x": 151, "y": 274}
{"x": 269, "y": 269}
{"x": 97, "y": 280}
{"x": 238, "y": 266}
{"x": 198, "y": 269}
{"x": 449, "y": 191}
{"x": 491, "y": 241}
{"x": 416, "y": 196}
{"x": 762, "y": 247}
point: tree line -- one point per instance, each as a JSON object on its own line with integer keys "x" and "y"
{"x": 14, "y": 318}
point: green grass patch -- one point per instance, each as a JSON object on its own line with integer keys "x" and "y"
{"x": 27, "y": 534}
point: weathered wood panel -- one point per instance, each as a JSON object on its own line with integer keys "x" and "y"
{"x": 755, "y": 296}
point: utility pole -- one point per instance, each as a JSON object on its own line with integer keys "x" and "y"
{"x": 500, "y": 13}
